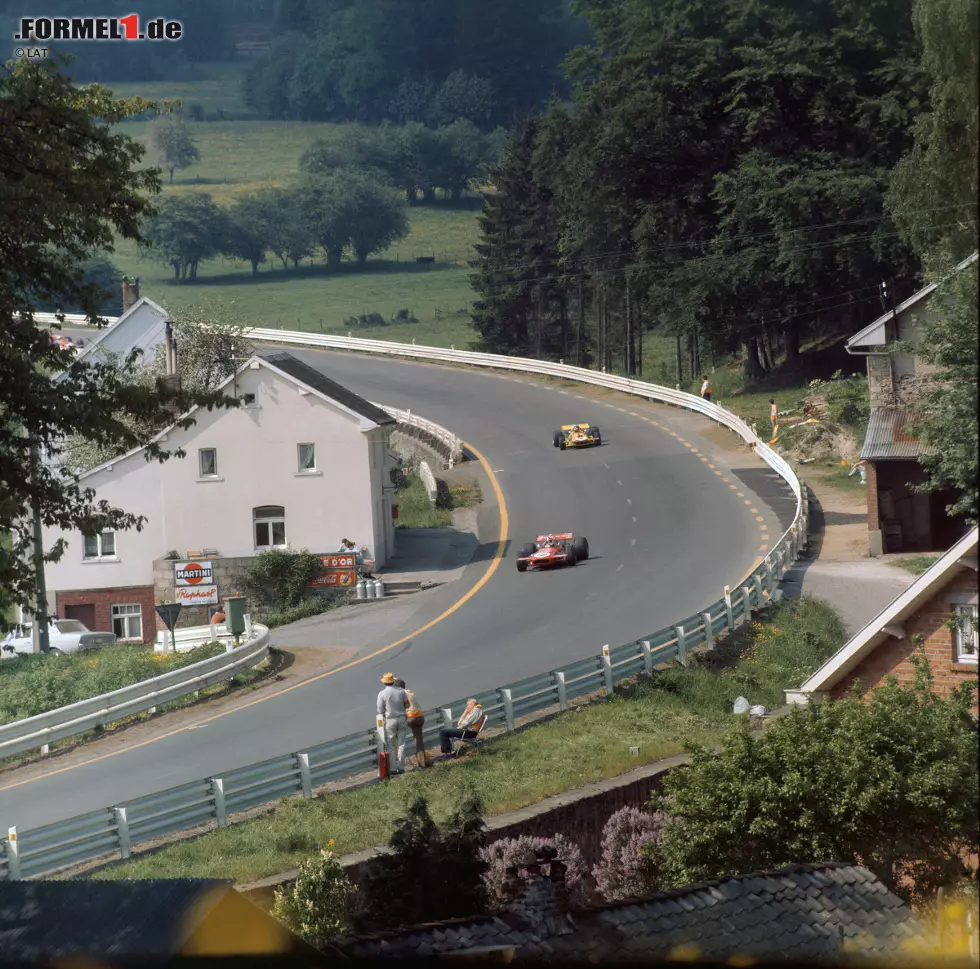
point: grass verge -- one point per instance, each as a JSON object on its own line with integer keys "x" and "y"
{"x": 660, "y": 716}
{"x": 415, "y": 510}
{"x": 313, "y": 606}
{"x": 916, "y": 564}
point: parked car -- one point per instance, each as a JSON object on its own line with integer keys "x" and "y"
{"x": 64, "y": 636}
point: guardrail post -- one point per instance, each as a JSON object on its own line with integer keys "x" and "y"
{"x": 218, "y": 793}
{"x": 248, "y": 626}
{"x": 45, "y": 749}
{"x": 562, "y": 690}
{"x": 213, "y": 630}
{"x": 380, "y": 728}
{"x": 13, "y": 855}
{"x": 746, "y": 603}
{"x": 757, "y": 582}
{"x": 709, "y": 639}
{"x": 681, "y": 644}
{"x": 607, "y": 673}
{"x": 447, "y": 717}
{"x": 647, "y": 656}
{"x": 508, "y": 707}
{"x": 122, "y": 832}
{"x": 304, "y": 774}
{"x": 729, "y": 612}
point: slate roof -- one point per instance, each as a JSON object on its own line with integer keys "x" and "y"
{"x": 127, "y": 919}
{"x": 315, "y": 380}
{"x": 888, "y": 437}
{"x": 800, "y": 912}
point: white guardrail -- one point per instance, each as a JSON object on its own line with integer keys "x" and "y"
{"x": 98, "y": 711}
{"x": 114, "y": 831}
{"x": 448, "y": 440}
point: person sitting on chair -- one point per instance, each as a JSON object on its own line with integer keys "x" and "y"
{"x": 465, "y": 726}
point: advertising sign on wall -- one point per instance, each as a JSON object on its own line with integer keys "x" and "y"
{"x": 339, "y": 571}
{"x": 196, "y": 595}
{"x": 193, "y": 573}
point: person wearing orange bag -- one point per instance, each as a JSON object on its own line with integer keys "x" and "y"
{"x": 416, "y": 721}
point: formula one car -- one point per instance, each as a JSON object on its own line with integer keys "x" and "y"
{"x": 577, "y": 435}
{"x": 547, "y": 551}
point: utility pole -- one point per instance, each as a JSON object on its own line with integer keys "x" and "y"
{"x": 41, "y": 615}
{"x": 630, "y": 348}
{"x": 540, "y": 314}
{"x": 580, "y": 339}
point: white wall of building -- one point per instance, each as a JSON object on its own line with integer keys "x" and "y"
{"x": 257, "y": 464}
{"x": 142, "y": 326}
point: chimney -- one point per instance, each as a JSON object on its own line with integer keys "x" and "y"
{"x": 130, "y": 292}
{"x": 543, "y": 901}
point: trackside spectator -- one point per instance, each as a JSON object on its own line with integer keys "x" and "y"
{"x": 465, "y": 726}
{"x": 706, "y": 389}
{"x": 416, "y": 721}
{"x": 392, "y": 708}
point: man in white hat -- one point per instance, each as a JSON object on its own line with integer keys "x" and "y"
{"x": 393, "y": 710}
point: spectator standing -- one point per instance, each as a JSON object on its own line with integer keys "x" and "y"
{"x": 773, "y": 415}
{"x": 393, "y": 709}
{"x": 466, "y": 727}
{"x": 706, "y": 389}
{"x": 416, "y": 721}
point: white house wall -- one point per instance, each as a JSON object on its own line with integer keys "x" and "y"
{"x": 143, "y": 327}
{"x": 257, "y": 464}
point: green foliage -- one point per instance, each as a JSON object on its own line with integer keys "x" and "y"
{"x": 71, "y": 186}
{"x": 415, "y": 508}
{"x": 314, "y": 605}
{"x": 279, "y": 578}
{"x": 889, "y": 783}
{"x": 34, "y": 684}
{"x": 186, "y": 231}
{"x": 319, "y": 905}
{"x": 847, "y": 399}
{"x": 916, "y": 564}
{"x": 174, "y": 143}
{"x": 438, "y": 870}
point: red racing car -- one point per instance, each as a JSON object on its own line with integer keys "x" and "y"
{"x": 548, "y": 551}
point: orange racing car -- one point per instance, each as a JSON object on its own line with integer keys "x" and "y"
{"x": 548, "y": 551}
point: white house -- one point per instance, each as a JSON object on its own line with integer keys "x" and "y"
{"x": 302, "y": 463}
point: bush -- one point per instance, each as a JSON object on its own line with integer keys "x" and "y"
{"x": 847, "y": 399}
{"x": 34, "y": 684}
{"x": 507, "y": 852}
{"x": 279, "y": 578}
{"x": 312, "y": 606}
{"x": 319, "y": 905}
{"x": 627, "y": 869}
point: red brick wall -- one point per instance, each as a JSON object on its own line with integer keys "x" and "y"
{"x": 105, "y": 599}
{"x": 891, "y": 658}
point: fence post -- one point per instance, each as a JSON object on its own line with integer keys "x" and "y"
{"x": 709, "y": 639}
{"x": 647, "y": 657}
{"x": 218, "y": 793}
{"x": 45, "y": 749}
{"x": 607, "y": 673}
{"x": 508, "y": 707}
{"x": 214, "y": 633}
{"x": 304, "y": 774}
{"x": 729, "y": 612}
{"x": 757, "y": 582}
{"x": 122, "y": 832}
{"x": 562, "y": 690}
{"x": 681, "y": 644}
{"x": 746, "y": 603}
{"x": 13, "y": 855}
{"x": 248, "y": 625}
{"x": 447, "y": 717}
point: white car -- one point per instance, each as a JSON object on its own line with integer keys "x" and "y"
{"x": 64, "y": 636}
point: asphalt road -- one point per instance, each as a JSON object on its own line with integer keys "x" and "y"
{"x": 667, "y": 532}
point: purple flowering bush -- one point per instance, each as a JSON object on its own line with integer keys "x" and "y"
{"x": 503, "y": 854}
{"x": 627, "y": 868}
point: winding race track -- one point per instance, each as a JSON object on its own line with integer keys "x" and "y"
{"x": 672, "y": 508}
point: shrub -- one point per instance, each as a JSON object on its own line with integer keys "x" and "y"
{"x": 279, "y": 578}
{"x": 505, "y": 853}
{"x": 627, "y": 869}
{"x": 312, "y": 606}
{"x": 319, "y": 905}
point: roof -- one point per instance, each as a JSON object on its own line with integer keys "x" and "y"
{"x": 800, "y": 911}
{"x": 846, "y": 659}
{"x": 305, "y": 378}
{"x": 889, "y": 438}
{"x": 873, "y": 335}
{"x": 40, "y": 920}
{"x": 286, "y": 363}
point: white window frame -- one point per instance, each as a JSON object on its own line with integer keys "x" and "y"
{"x": 299, "y": 458}
{"x": 966, "y": 639}
{"x": 126, "y": 618}
{"x": 200, "y": 462}
{"x": 101, "y": 555}
{"x": 270, "y": 521}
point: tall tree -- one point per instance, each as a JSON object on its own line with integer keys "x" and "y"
{"x": 174, "y": 143}
{"x": 185, "y": 231}
{"x": 246, "y": 233}
{"x": 71, "y": 186}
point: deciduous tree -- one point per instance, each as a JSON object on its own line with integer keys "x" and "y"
{"x": 173, "y": 141}
{"x": 185, "y": 231}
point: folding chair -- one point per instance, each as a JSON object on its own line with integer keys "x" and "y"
{"x": 459, "y": 742}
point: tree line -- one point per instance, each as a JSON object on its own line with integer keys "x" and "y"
{"x": 723, "y": 177}
{"x": 350, "y": 199}
{"x": 431, "y": 61}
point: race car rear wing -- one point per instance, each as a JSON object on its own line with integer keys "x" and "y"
{"x": 559, "y": 537}
{"x": 585, "y": 425}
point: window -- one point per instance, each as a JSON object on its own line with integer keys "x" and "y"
{"x": 307, "y": 457}
{"x": 270, "y": 526}
{"x": 965, "y": 636}
{"x": 68, "y": 626}
{"x": 248, "y": 400}
{"x": 208, "y": 462}
{"x": 127, "y": 622}
{"x": 100, "y": 546}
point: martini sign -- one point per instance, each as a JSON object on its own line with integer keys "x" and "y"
{"x": 194, "y": 583}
